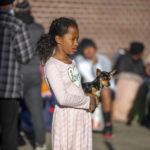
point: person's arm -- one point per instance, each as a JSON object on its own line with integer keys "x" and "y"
{"x": 60, "y": 90}
{"x": 22, "y": 45}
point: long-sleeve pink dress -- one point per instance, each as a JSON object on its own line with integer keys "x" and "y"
{"x": 71, "y": 126}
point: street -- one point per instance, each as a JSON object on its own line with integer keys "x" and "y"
{"x": 134, "y": 137}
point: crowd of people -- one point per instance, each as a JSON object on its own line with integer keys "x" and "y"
{"x": 28, "y": 55}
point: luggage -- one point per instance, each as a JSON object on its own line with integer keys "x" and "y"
{"x": 127, "y": 87}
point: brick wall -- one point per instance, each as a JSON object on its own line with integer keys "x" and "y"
{"x": 112, "y": 24}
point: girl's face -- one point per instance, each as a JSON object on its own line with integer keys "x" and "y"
{"x": 69, "y": 42}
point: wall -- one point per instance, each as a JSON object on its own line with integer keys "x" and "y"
{"x": 112, "y": 24}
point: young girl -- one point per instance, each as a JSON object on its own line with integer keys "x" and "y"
{"x": 71, "y": 127}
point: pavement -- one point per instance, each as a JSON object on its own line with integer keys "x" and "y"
{"x": 134, "y": 137}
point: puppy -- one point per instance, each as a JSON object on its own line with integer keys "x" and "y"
{"x": 102, "y": 80}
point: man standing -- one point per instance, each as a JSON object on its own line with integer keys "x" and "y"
{"x": 31, "y": 74}
{"x": 15, "y": 49}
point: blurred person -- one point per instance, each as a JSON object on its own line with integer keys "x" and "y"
{"x": 146, "y": 120}
{"x": 87, "y": 62}
{"x": 140, "y": 109}
{"x": 15, "y": 49}
{"x": 32, "y": 76}
{"x": 132, "y": 61}
{"x": 146, "y": 117}
{"x": 118, "y": 54}
{"x": 49, "y": 103}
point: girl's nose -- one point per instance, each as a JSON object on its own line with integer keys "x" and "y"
{"x": 76, "y": 43}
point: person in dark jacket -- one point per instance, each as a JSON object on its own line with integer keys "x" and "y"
{"x": 15, "y": 49}
{"x": 132, "y": 61}
{"x": 32, "y": 77}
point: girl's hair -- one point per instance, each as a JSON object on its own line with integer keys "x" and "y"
{"x": 47, "y": 43}
{"x": 84, "y": 44}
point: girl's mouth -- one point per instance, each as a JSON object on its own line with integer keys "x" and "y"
{"x": 74, "y": 49}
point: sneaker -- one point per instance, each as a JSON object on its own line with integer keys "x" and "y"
{"x": 21, "y": 141}
{"x": 44, "y": 147}
{"x": 108, "y": 132}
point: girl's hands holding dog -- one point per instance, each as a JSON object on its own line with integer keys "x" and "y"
{"x": 92, "y": 104}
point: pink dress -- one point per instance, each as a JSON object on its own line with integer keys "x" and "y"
{"x": 71, "y": 127}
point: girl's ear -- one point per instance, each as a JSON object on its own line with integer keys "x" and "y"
{"x": 98, "y": 72}
{"x": 58, "y": 39}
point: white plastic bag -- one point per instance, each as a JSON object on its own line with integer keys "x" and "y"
{"x": 97, "y": 119}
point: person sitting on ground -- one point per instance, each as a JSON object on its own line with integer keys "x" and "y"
{"x": 131, "y": 61}
{"x": 87, "y": 62}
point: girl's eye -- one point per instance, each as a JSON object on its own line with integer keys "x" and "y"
{"x": 75, "y": 39}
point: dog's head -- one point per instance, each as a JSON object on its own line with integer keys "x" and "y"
{"x": 104, "y": 77}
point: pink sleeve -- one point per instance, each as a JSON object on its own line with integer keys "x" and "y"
{"x": 62, "y": 96}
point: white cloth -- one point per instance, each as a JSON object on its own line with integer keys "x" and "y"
{"x": 88, "y": 70}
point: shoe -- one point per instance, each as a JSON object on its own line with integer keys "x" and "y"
{"x": 44, "y": 147}
{"x": 21, "y": 141}
{"x": 108, "y": 132}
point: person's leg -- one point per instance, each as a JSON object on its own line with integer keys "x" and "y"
{"x": 35, "y": 106}
{"x": 138, "y": 110}
{"x": 9, "y": 123}
{"x": 106, "y": 105}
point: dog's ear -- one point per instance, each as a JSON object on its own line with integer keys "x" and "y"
{"x": 98, "y": 72}
{"x": 112, "y": 72}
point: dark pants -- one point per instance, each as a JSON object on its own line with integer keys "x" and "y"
{"x": 34, "y": 102}
{"x": 9, "y": 123}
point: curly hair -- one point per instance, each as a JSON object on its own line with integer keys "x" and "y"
{"x": 47, "y": 43}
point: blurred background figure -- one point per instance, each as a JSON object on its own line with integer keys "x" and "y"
{"x": 87, "y": 62}
{"x": 32, "y": 76}
{"x": 131, "y": 61}
{"x": 15, "y": 49}
{"x": 49, "y": 103}
{"x": 117, "y": 55}
{"x": 145, "y": 120}
{"x": 130, "y": 77}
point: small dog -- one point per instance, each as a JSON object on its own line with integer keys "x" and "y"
{"x": 94, "y": 88}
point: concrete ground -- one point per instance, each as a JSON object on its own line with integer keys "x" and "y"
{"x": 132, "y": 137}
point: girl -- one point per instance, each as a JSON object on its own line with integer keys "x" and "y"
{"x": 71, "y": 127}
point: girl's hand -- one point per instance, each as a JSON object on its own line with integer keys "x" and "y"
{"x": 92, "y": 104}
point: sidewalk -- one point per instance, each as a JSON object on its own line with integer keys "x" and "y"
{"x": 132, "y": 137}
